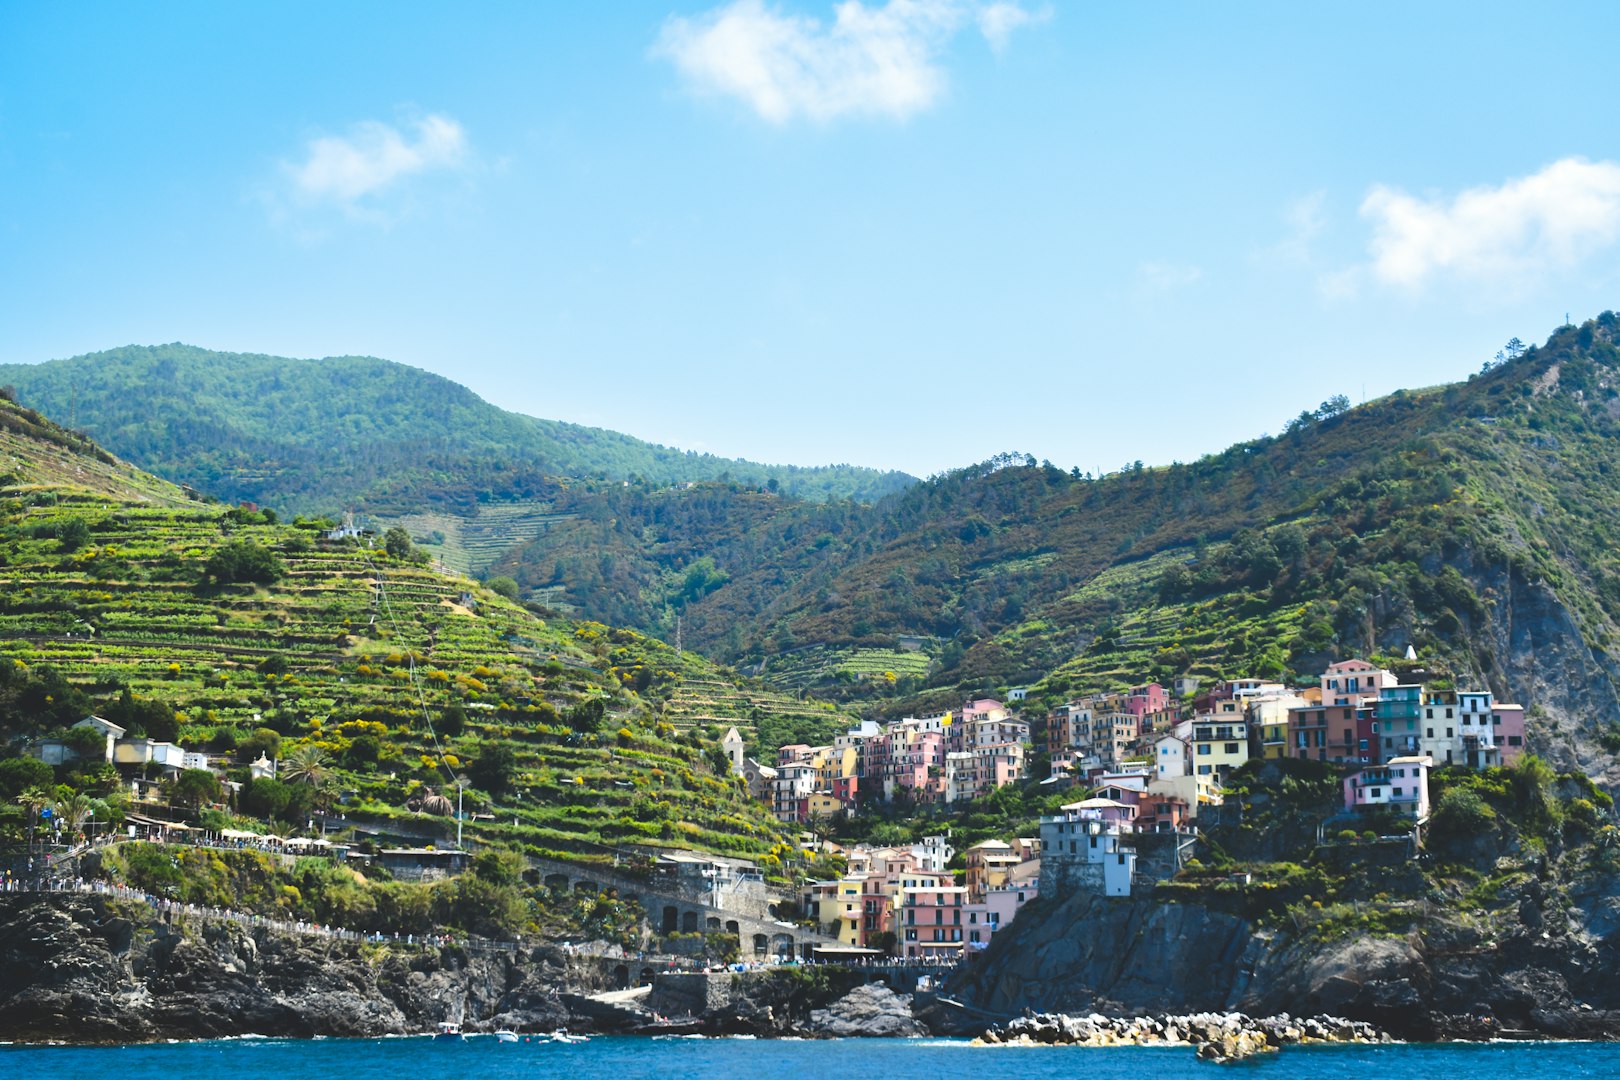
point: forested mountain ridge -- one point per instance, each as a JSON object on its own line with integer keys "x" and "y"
{"x": 1474, "y": 522}
{"x": 360, "y": 433}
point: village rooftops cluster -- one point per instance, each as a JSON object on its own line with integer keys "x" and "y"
{"x": 947, "y": 757}
{"x": 903, "y": 901}
{"x": 1386, "y": 734}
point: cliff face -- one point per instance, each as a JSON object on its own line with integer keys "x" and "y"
{"x": 1550, "y": 972}
{"x": 85, "y": 969}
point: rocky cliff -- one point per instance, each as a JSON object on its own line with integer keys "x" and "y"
{"x": 91, "y": 969}
{"x": 1550, "y": 973}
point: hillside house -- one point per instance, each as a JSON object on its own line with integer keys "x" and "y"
{"x": 58, "y": 752}
{"x": 1401, "y": 784}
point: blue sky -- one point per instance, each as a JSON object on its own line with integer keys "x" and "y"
{"x": 907, "y": 234}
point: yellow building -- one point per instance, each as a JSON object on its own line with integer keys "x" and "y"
{"x": 1220, "y": 746}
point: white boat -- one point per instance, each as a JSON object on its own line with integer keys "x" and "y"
{"x": 506, "y": 1036}
{"x": 565, "y": 1037}
{"x": 449, "y": 1031}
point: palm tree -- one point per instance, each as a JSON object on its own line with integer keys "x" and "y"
{"x": 73, "y": 811}
{"x": 33, "y": 801}
{"x": 305, "y": 765}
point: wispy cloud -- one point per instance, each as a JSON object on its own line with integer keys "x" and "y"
{"x": 1305, "y": 219}
{"x": 997, "y": 21}
{"x": 1164, "y": 277}
{"x": 1550, "y": 220}
{"x": 373, "y": 157}
{"x": 870, "y": 60}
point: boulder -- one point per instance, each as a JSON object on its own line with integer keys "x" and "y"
{"x": 867, "y": 1011}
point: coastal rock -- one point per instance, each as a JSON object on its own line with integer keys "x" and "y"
{"x": 1215, "y": 1037}
{"x": 867, "y": 1011}
{"x": 90, "y": 969}
{"x": 1452, "y": 979}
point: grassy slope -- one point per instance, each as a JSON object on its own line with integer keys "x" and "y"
{"x": 128, "y": 610}
{"x": 358, "y": 432}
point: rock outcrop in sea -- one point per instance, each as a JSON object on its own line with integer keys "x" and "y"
{"x": 1215, "y": 1036}
{"x": 870, "y": 1011}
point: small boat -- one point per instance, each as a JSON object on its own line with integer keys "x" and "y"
{"x": 562, "y": 1036}
{"x": 449, "y": 1031}
{"x": 506, "y": 1036}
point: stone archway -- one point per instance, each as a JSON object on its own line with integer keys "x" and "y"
{"x": 711, "y": 923}
{"x": 689, "y": 922}
{"x": 733, "y": 928}
{"x": 762, "y": 945}
{"x": 621, "y": 977}
{"x": 671, "y": 919}
{"x": 556, "y": 882}
{"x": 586, "y": 887}
{"x": 782, "y": 945}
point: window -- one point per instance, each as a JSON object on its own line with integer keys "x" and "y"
{"x": 1203, "y": 749}
{"x": 1514, "y": 740}
{"x": 1231, "y": 748}
{"x": 1394, "y": 793}
{"x": 1448, "y": 733}
{"x": 1431, "y": 733}
{"x": 1203, "y": 770}
{"x": 1448, "y": 714}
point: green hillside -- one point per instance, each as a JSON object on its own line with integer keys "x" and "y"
{"x": 229, "y": 632}
{"x": 1471, "y": 522}
{"x": 361, "y": 433}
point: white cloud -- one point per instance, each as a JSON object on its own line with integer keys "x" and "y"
{"x": 373, "y": 157}
{"x": 997, "y": 21}
{"x": 1549, "y": 220}
{"x": 871, "y": 60}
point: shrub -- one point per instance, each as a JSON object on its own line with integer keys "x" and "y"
{"x": 1460, "y": 813}
{"x": 243, "y": 561}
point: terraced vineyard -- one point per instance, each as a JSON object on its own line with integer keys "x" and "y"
{"x": 825, "y": 665}
{"x": 324, "y": 653}
{"x": 1206, "y": 639}
{"x": 766, "y": 719}
{"x": 472, "y": 544}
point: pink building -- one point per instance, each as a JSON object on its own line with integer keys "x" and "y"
{"x": 1142, "y": 700}
{"x": 1350, "y": 682}
{"x": 931, "y": 924}
{"x": 1401, "y": 783}
{"x": 1509, "y": 721}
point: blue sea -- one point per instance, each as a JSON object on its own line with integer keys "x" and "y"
{"x": 482, "y": 1058}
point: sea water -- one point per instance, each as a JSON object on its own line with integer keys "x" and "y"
{"x": 482, "y": 1058}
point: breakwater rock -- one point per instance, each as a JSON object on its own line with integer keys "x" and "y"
{"x": 1215, "y": 1036}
